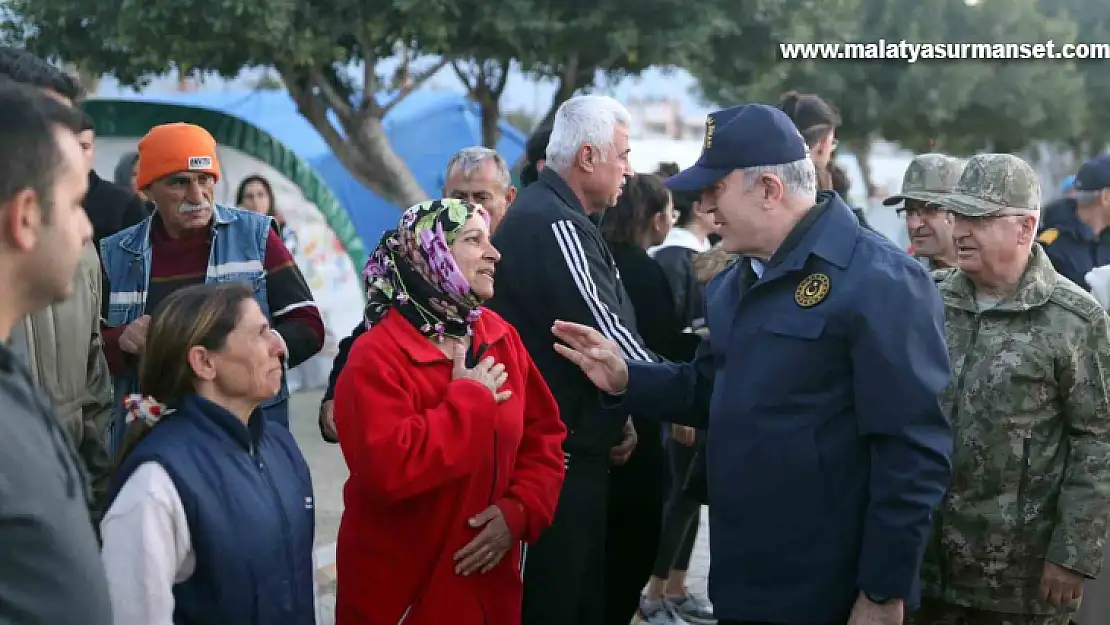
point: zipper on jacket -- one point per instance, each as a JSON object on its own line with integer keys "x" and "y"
{"x": 960, "y": 383}
{"x": 1021, "y": 494}
{"x": 404, "y": 615}
{"x": 285, "y": 526}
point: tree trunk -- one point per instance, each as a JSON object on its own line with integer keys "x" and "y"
{"x": 90, "y": 81}
{"x": 362, "y": 147}
{"x": 370, "y": 158}
{"x": 569, "y": 82}
{"x": 490, "y": 106}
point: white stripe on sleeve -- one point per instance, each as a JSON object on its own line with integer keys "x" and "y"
{"x": 608, "y": 322}
{"x": 293, "y": 307}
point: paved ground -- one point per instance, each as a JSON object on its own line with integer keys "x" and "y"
{"x": 328, "y": 474}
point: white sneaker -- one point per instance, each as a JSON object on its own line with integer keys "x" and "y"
{"x": 693, "y": 610}
{"x": 655, "y": 612}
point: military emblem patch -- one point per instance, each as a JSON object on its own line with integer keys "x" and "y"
{"x": 1048, "y": 237}
{"x": 710, "y": 126}
{"x": 811, "y": 290}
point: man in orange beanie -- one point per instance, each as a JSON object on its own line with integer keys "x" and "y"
{"x": 190, "y": 239}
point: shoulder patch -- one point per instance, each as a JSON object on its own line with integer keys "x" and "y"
{"x": 1048, "y": 237}
{"x": 1071, "y": 297}
{"x": 940, "y": 275}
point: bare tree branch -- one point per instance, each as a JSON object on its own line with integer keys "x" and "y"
{"x": 464, "y": 76}
{"x": 333, "y": 98}
{"x": 503, "y": 79}
{"x": 414, "y": 84}
{"x": 369, "y": 77}
{"x": 315, "y": 110}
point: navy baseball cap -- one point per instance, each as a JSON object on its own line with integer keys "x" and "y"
{"x": 1094, "y": 175}
{"x": 749, "y": 135}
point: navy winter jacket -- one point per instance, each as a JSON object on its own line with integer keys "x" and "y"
{"x": 248, "y": 499}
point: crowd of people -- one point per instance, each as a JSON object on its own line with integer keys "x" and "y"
{"x": 550, "y": 382}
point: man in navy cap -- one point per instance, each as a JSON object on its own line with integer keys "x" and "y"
{"x": 819, "y": 383}
{"x": 1075, "y": 231}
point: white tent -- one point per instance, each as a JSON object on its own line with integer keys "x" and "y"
{"x": 311, "y": 212}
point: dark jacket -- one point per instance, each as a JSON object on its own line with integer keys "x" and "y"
{"x": 247, "y": 495}
{"x": 828, "y": 448}
{"x": 50, "y": 567}
{"x": 111, "y": 208}
{"x": 555, "y": 265}
{"x": 1070, "y": 244}
{"x": 677, "y": 262}
{"x": 657, "y": 322}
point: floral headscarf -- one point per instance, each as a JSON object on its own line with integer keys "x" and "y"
{"x": 412, "y": 270}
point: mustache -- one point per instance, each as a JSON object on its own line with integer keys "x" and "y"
{"x": 189, "y": 207}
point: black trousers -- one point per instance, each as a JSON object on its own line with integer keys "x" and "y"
{"x": 564, "y": 571}
{"x": 680, "y": 512}
{"x": 636, "y": 493}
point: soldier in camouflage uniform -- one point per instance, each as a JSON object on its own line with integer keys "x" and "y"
{"x": 927, "y": 178}
{"x": 1023, "y": 523}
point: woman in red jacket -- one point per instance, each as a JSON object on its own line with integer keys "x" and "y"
{"x": 452, "y": 438}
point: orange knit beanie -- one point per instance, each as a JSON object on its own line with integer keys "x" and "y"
{"x": 173, "y": 148}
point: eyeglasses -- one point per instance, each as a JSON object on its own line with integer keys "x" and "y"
{"x": 914, "y": 208}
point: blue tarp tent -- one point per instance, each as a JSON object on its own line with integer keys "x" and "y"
{"x": 425, "y": 129}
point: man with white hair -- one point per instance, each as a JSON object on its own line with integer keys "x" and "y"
{"x": 818, "y": 382}
{"x": 1024, "y": 521}
{"x": 555, "y": 265}
{"x": 480, "y": 176}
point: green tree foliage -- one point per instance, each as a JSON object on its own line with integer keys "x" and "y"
{"x": 1092, "y": 19}
{"x": 959, "y": 106}
{"x": 311, "y": 43}
{"x": 572, "y": 43}
{"x": 619, "y": 39}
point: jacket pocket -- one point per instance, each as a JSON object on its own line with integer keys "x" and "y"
{"x": 807, "y": 327}
{"x": 776, "y": 501}
{"x": 987, "y": 531}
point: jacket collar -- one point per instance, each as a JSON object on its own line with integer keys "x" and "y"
{"x": 138, "y": 240}
{"x": 681, "y": 237}
{"x": 421, "y": 351}
{"x": 1033, "y": 289}
{"x": 830, "y": 233}
{"x": 247, "y": 436}
{"x": 553, "y": 180}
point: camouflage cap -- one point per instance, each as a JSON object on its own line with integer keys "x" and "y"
{"x": 994, "y": 182}
{"x": 927, "y": 177}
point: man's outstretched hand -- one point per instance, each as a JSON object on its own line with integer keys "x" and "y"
{"x": 598, "y": 357}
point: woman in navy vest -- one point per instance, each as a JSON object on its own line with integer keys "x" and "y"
{"x": 211, "y": 514}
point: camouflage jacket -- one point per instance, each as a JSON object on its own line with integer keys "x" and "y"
{"x": 1031, "y": 466}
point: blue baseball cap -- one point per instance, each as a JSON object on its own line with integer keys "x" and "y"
{"x": 1094, "y": 175}
{"x": 749, "y": 135}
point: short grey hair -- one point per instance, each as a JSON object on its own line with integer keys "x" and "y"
{"x": 1083, "y": 198}
{"x": 468, "y": 161}
{"x": 799, "y": 177}
{"x": 584, "y": 120}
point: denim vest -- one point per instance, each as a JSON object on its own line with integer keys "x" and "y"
{"x": 238, "y": 253}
